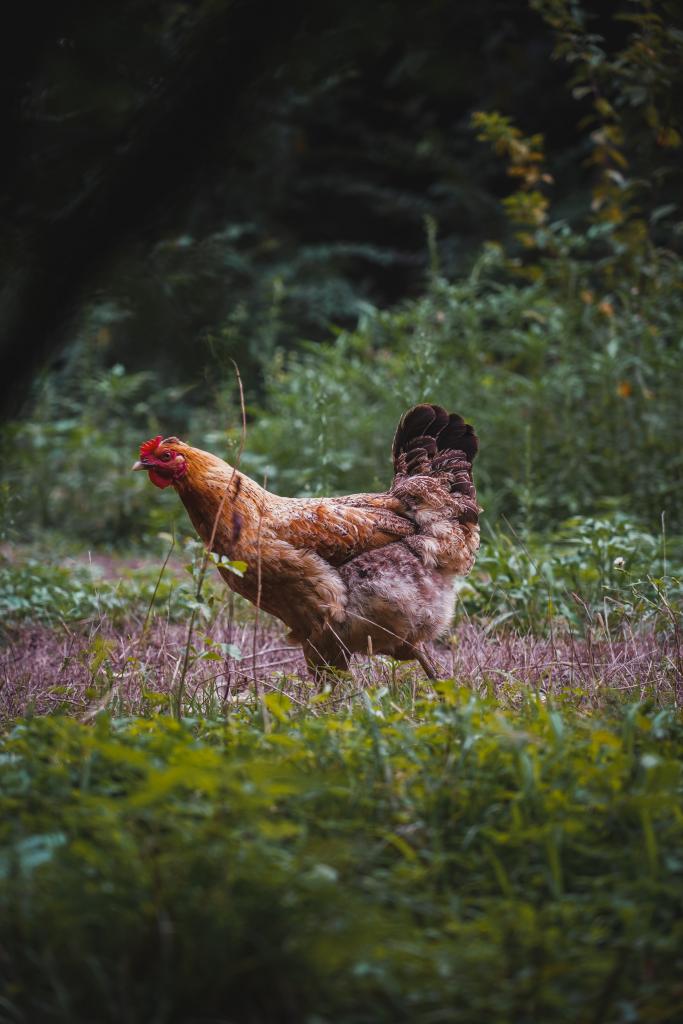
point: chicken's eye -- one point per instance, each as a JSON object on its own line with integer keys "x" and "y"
{"x": 165, "y": 456}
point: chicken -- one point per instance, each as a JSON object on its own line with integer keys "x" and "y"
{"x": 371, "y": 573}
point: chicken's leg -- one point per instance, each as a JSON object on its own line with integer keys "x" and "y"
{"x": 410, "y": 652}
{"x": 428, "y": 665}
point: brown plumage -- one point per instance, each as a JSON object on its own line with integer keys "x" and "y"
{"x": 365, "y": 572}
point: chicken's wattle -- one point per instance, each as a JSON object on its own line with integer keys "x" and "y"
{"x": 158, "y": 480}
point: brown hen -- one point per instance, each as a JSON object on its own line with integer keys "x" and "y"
{"x": 363, "y": 573}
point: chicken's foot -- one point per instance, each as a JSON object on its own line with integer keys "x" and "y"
{"x": 413, "y": 652}
{"x": 427, "y": 664}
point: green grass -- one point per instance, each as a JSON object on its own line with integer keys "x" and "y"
{"x": 449, "y": 862}
{"x": 42, "y": 585}
{"x": 589, "y": 570}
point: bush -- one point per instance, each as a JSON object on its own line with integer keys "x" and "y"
{"x": 67, "y": 468}
{"x": 467, "y": 864}
{"x": 51, "y": 590}
{"x": 590, "y": 574}
{"x": 574, "y": 393}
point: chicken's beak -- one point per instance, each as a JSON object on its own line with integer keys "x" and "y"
{"x": 139, "y": 465}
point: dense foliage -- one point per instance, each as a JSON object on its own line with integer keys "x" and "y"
{"x": 456, "y": 863}
{"x": 573, "y": 391}
{"x": 573, "y": 387}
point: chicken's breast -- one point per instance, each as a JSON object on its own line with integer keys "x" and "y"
{"x": 394, "y": 600}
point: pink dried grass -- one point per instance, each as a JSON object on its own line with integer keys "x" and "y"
{"x": 45, "y": 669}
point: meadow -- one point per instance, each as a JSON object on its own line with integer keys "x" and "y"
{"x": 191, "y": 832}
{"x": 184, "y": 814}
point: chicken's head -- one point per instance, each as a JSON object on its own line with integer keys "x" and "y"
{"x": 162, "y": 460}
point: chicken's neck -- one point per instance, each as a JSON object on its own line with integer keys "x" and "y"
{"x": 216, "y": 494}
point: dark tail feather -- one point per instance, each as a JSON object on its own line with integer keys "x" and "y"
{"x": 429, "y": 441}
{"x": 425, "y": 430}
{"x": 459, "y": 436}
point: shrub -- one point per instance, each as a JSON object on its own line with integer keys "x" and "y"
{"x": 67, "y": 468}
{"x": 47, "y": 589}
{"x": 590, "y": 574}
{"x": 573, "y": 393}
{"x": 466, "y": 864}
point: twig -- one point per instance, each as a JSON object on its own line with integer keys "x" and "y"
{"x": 158, "y": 584}
{"x": 228, "y": 659}
{"x": 257, "y": 689}
{"x": 265, "y": 652}
{"x": 209, "y": 548}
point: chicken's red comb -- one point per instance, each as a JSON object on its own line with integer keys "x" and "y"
{"x": 150, "y": 446}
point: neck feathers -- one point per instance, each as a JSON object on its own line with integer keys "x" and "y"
{"x": 214, "y": 490}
